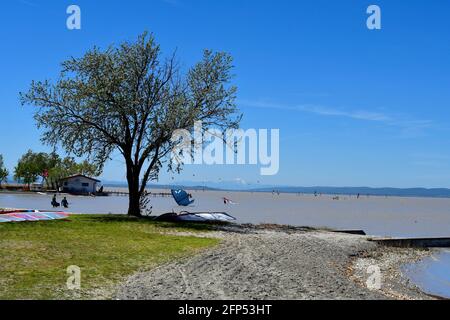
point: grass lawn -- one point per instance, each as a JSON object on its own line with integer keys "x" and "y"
{"x": 34, "y": 256}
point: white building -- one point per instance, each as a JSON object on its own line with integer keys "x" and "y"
{"x": 80, "y": 184}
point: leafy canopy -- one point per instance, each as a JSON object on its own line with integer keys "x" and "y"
{"x": 131, "y": 99}
{"x": 50, "y": 167}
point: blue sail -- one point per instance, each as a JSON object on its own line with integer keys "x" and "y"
{"x": 181, "y": 197}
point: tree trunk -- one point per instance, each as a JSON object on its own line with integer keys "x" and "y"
{"x": 134, "y": 207}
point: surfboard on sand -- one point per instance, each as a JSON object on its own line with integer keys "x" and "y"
{"x": 196, "y": 217}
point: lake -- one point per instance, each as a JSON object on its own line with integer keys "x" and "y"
{"x": 432, "y": 274}
{"x": 380, "y": 216}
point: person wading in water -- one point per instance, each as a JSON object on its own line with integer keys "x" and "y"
{"x": 55, "y": 203}
{"x": 65, "y": 203}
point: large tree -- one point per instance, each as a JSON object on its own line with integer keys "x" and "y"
{"x": 3, "y": 171}
{"x": 30, "y": 166}
{"x": 34, "y": 165}
{"x": 131, "y": 99}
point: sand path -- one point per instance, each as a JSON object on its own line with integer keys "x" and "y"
{"x": 260, "y": 264}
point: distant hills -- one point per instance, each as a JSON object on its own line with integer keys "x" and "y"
{"x": 230, "y": 186}
{"x": 241, "y": 186}
{"x": 400, "y": 192}
{"x": 118, "y": 184}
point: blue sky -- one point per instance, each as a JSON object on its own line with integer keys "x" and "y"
{"x": 354, "y": 107}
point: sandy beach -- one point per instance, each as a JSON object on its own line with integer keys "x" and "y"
{"x": 279, "y": 263}
{"x": 262, "y": 250}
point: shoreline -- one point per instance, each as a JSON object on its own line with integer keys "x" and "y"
{"x": 279, "y": 262}
{"x": 265, "y": 244}
{"x": 341, "y": 196}
{"x": 390, "y": 260}
{"x": 407, "y": 217}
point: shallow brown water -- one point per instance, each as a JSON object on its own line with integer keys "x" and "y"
{"x": 393, "y": 216}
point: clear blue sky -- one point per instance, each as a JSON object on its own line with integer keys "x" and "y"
{"x": 354, "y": 107}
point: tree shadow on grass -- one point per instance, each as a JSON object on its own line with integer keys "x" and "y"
{"x": 150, "y": 221}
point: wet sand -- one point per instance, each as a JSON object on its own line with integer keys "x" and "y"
{"x": 272, "y": 264}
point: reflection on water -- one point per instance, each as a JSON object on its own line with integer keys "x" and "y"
{"x": 432, "y": 274}
{"x": 405, "y": 217}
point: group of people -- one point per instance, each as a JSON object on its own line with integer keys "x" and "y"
{"x": 63, "y": 203}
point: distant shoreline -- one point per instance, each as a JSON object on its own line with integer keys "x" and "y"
{"x": 198, "y": 189}
{"x": 340, "y": 191}
{"x": 414, "y": 192}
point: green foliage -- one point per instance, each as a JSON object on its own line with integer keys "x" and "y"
{"x": 3, "y": 171}
{"x": 129, "y": 98}
{"x": 51, "y": 168}
{"x": 68, "y": 167}
{"x": 30, "y": 167}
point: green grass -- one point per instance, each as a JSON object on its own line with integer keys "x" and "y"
{"x": 34, "y": 256}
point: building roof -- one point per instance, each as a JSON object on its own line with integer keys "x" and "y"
{"x": 80, "y": 176}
